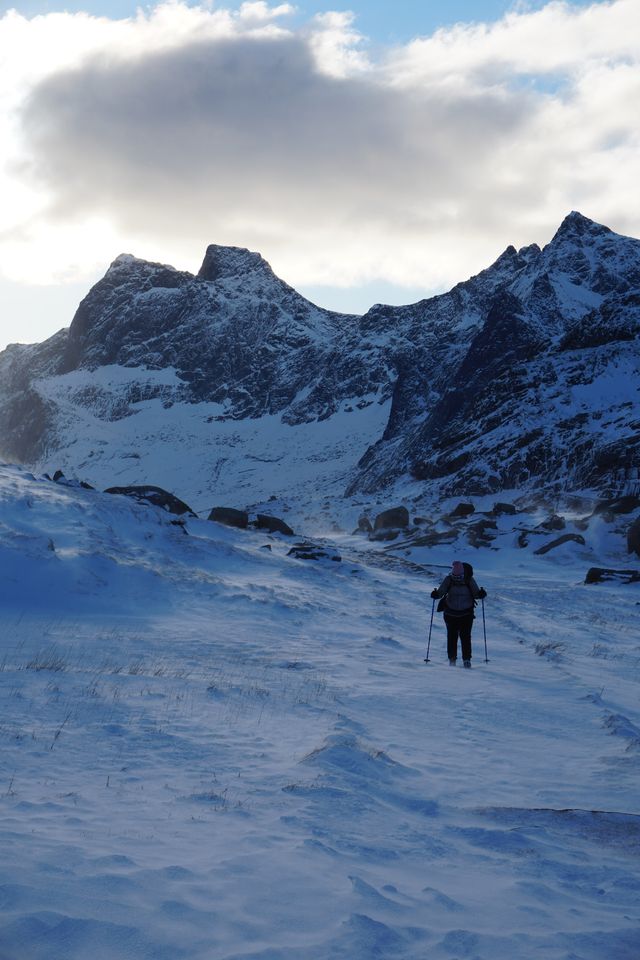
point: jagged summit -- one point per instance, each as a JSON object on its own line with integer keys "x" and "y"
{"x": 221, "y": 263}
{"x": 576, "y": 226}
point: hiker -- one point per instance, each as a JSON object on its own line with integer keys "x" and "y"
{"x": 458, "y": 593}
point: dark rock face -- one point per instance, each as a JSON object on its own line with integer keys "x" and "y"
{"x": 559, "y": 320}
{"x": 230, "y": 517}
{"x": 155, "y": 496}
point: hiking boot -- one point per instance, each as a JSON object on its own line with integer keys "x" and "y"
{"x": 467, "y": 664}
{"x": 452, "y": 662}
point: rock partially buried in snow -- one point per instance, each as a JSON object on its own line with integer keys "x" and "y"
{"x": 480, "y": 533}
{"x": 272, "y": 525}
{"x": 602, "y": 575}
{"x": 462, "y": 510}
{"x": 230, "y": 517}
{"x": 156, "y": 497}
{"x": 504, "y": 508}
{"x": 312, "y": 551}
{"x": 621, "y": 505}
{"x": 567, "y": 538}
{"x": 633, "y": 537}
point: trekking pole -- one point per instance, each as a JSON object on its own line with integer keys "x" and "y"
{"x": 484, "y": 627}
{"x": 433, "y": 606}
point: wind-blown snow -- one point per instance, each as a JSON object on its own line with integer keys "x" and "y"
{"x": 213, "y": 750}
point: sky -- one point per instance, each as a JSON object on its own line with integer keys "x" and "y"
{"x": 371, "y": 151}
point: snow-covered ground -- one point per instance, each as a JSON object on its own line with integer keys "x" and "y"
{"x": 213, "y": 751}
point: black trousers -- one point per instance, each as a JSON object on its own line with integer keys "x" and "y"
{"x": 459, "y": 627}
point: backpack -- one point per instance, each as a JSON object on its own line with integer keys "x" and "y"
{"x": 468, "y": 573}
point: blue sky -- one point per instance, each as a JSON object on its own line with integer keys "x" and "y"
{"x": 384, "y": 21}
{"x": 365, "y": 169}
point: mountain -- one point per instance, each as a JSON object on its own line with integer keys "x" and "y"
{"x": 231, "y": 383}
{"x": 542, "y": 393}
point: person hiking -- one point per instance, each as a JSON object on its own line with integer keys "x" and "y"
{"x": 459, "y": 591}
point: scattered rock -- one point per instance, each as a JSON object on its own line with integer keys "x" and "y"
{"x": 312, "y": 551}
{"x": 155, "y": 496}
{"x": 272, "y": 524}
{"x": 397, "y": 518}
{"x": 602, "y": 575}
{"x": 633, "y": 537}
{"x": 58, "y": 475}
{"x": 568, "y": 537}
{"x": 433, "y": 538}
{"x": 230, "y": 517}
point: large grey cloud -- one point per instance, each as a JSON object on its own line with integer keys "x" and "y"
{"x": 222, "y": 138}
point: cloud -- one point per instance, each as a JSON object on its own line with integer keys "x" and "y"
{"x": 189, "y": 126}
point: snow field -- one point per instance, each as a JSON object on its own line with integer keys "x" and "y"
{"x": 211, "y": 750}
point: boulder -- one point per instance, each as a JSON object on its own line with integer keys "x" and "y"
{"x": 272, "y": 525}
{"x": 230, "y": 517}
{"x": 566, "y": 538}
{"x": 504, "y": 508}
{"x": 156, "y": 497}
{"x": 554, "y": 522}
{"x": 462, "y": 510}
{"x": 633, "y": 537}
{"x": 364, "y": 524}
{"x": 619, "y": 505}
{"x": 395, "y": 519}
{"x": 602, "y": 575}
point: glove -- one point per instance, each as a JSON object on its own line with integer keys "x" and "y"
{"x": 434, "y": 594}
{"x": 482, "y": 593}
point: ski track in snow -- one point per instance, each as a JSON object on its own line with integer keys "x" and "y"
{"x": 210, "y": 750}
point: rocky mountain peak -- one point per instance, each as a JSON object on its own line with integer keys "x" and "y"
{"x": 576, "y": 226}
{"x": 222, "y": 263}
{"x": 520, "y": 376}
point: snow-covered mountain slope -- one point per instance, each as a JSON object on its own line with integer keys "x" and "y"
{"x": 213, "y": 750}
{"x": 229, "y": 382}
